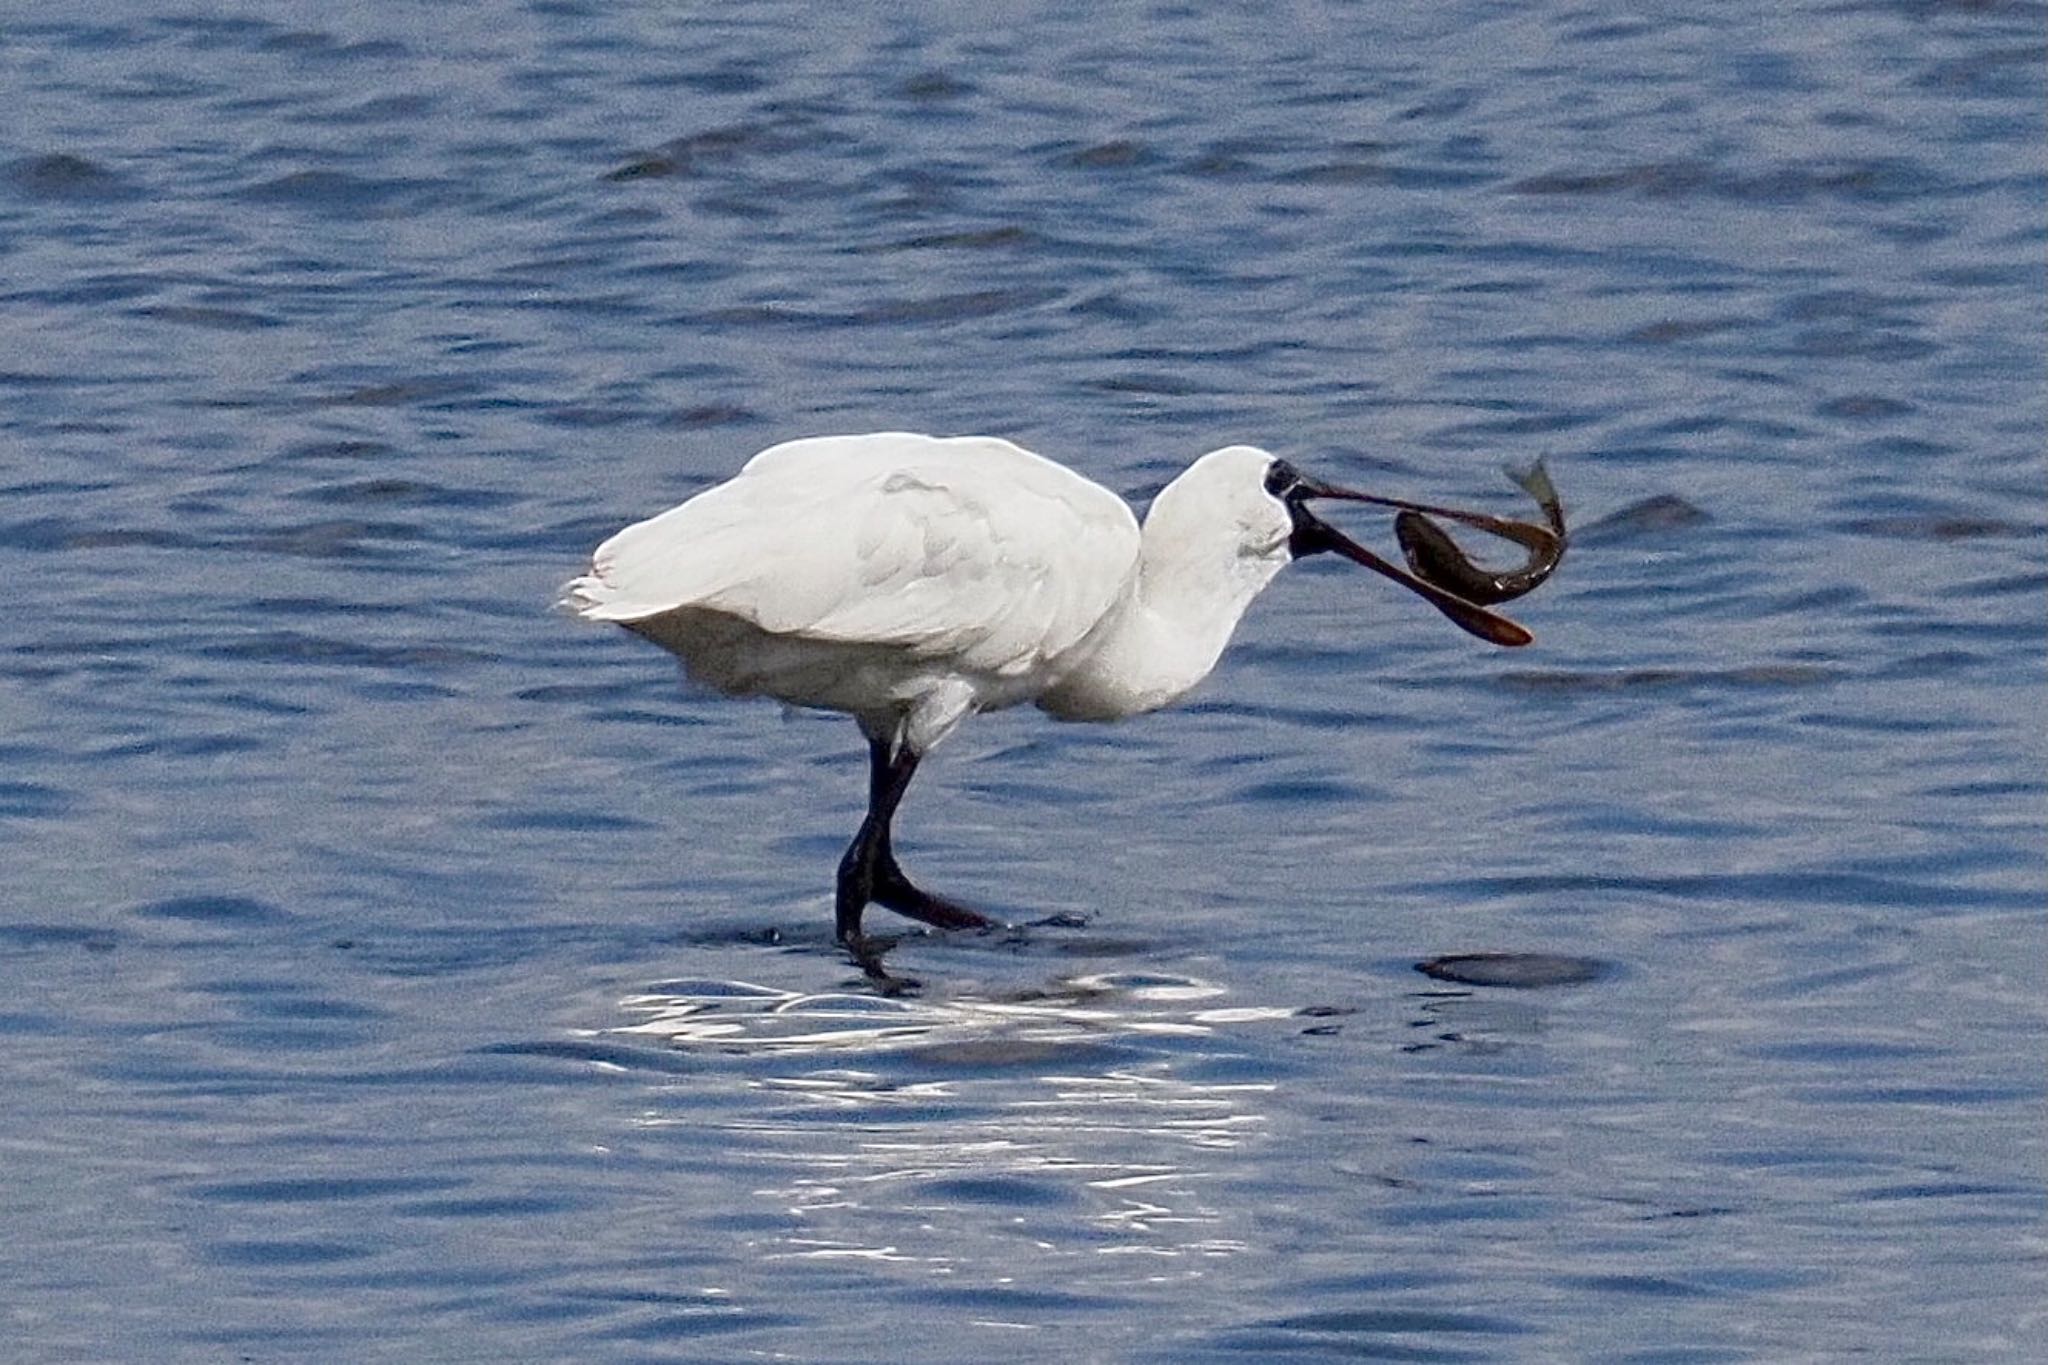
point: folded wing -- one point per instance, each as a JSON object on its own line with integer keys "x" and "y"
{"x": 966, "y": 549}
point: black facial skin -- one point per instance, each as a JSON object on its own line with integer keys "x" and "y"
{"x": 1281, "y": 477}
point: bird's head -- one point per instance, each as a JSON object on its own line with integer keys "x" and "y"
{"x": 1260, "y": 505}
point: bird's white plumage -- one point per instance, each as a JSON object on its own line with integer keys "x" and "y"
{"x": 912, "y": 580}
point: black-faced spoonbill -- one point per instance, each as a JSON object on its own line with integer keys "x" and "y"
{"x": 911, "y": 581}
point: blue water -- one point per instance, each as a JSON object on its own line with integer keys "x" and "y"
{"x": 391, "y": 969}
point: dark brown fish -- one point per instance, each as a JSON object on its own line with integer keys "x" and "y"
{"x": 1435, "y": 558}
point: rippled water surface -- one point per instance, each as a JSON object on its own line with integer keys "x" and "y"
{"x": 394, "y": 970}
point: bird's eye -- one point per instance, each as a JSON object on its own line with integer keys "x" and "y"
{"x": 1280, "y": 477}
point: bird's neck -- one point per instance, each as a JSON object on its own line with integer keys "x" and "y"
{"x": 1167, "y": 634}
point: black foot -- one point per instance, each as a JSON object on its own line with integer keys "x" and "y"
{"x": 868, "y": 873}
{"x": 894, "y": 890}
{"x": 867, "y": 954}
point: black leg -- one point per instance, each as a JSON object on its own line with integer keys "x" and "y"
{"x": 869, "y": 871}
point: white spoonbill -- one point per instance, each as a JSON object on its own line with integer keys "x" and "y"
{"x": 911, "y": 581}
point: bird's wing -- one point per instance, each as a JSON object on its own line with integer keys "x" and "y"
{"x": 971, "y": 549}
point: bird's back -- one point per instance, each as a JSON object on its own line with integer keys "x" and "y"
{"x": 917, "y": 558}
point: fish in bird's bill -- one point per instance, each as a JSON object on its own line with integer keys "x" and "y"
{"x": 1435, "y": 558}
{"x": 1438, "y": 570}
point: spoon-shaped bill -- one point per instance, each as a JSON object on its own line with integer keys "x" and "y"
{"x": 1313, "y": 535}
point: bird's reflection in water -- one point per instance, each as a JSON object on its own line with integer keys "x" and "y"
{"x": 921, "y": 1129}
